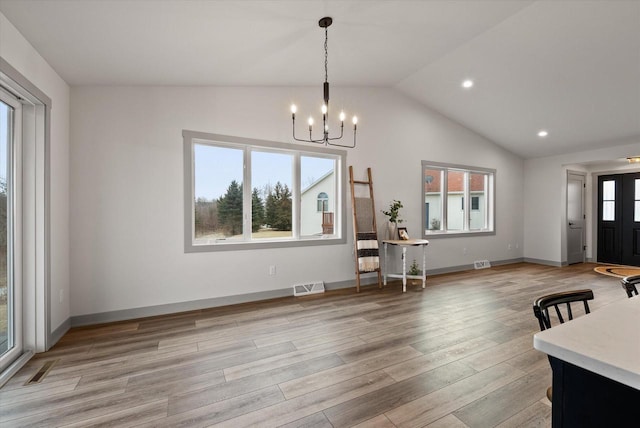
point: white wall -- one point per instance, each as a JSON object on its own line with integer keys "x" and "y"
{"x": 545, "y": 205}
{"x": 126, "y": 189}
{"x": 24, "y": 58}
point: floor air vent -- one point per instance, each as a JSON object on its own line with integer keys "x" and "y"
{"x": 44, "y": 370}
{"x": 481, "y": 264}
{"x": 308, "y": 288}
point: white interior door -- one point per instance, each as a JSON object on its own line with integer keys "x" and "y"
{"x": 575, "y": 218}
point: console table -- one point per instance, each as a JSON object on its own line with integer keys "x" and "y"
{"x": 596, "y": 366}
{"x": 404, "y": 244}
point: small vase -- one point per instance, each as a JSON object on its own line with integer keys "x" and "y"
{"x": 392, "y": 230}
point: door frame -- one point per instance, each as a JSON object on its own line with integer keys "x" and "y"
{"x": 36, "y": 217}
{"x": 584, "y": 213}
{"x": 594, "y": 204}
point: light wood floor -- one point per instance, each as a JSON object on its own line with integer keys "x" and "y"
{"x": 458, "y": 353}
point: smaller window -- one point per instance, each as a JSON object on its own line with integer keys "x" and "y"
{"x": 457, "y": 199}
{"x": 323, "y": 202}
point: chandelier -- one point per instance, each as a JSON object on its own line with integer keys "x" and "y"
{"x": 326, "y": 140}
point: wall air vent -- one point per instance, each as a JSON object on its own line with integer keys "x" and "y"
{"x": 308, "y": 288}
{"x": 481, "y": 264}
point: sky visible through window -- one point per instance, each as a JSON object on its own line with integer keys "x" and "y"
{"x": 217, "y": 167}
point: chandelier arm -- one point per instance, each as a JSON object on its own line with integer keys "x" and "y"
{"x": 309, "y": 141}
{"x": 341, "y": 133}
{"x": 304, "y": 140}
{"x": 344, "y": 145}
{"x": 355, "y": 130}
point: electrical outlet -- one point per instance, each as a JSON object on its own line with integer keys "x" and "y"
{"x": 508, "y": 246}
{"x": 517, "y": 245}
{"x": 61, "y": 295}
{"x": 272, "y": 270}
{"x": 464, "y": 251}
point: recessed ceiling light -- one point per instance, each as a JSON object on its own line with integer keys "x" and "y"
{"x": 634, "y": 159}
{"x": 542, "y": 133}
{"x": 467, "y": 84}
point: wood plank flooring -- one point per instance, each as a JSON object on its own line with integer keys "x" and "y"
{"x": 456, "y": 354}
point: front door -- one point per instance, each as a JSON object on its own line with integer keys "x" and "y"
{"x": 619, "y": 219}
{"x": 575, "y": 217}
{"x": 631, "y": 219}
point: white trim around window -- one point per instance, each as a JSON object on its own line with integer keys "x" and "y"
{"x": 457, "y": 200}
{"x": 251, "y": 161}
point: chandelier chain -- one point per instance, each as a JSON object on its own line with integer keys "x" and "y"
{"x": 326, "y": 55}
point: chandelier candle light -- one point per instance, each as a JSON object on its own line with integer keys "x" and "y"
{"x": 326, "y": 140}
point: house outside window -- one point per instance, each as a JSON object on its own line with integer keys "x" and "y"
{"x": 458, "y": 200}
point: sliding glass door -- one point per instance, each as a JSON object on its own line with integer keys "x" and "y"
{"x": 10, "y": 289}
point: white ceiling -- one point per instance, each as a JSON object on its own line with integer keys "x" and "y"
{"x": 571, "y": 67}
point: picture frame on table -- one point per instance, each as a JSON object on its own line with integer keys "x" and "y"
{"x": 403, "y": 235}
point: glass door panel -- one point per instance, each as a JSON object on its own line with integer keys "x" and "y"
{"x": 10, "y": 302}
{"x": 609, "y": 200}
{"x": 6, "y": 113}
{"x": 636, "y": 201}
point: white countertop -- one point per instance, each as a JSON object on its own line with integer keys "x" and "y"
{"x": 606, "y": 341}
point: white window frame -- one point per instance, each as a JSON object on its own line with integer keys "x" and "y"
{"x": 33, "y": 222}
{"x": 466, "y": 231}
{"x": 190, "y": 138}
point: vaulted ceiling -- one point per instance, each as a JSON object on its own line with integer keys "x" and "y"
{"x": 569, "y": 67}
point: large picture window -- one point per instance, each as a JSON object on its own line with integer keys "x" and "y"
{"x": 242, "y": 193}
{"x": 457, "y": 199}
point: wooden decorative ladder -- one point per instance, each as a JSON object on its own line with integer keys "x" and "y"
{"x": 365, "y": 231}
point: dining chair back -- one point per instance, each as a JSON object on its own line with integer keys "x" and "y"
{"x": 556, "y": 301}
{"x": 629, "y": 284}
{"x": 560, "y": 302}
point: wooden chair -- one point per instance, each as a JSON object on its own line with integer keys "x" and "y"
{"x": 542, "y": 305}
{"x": 629, "y": 285}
